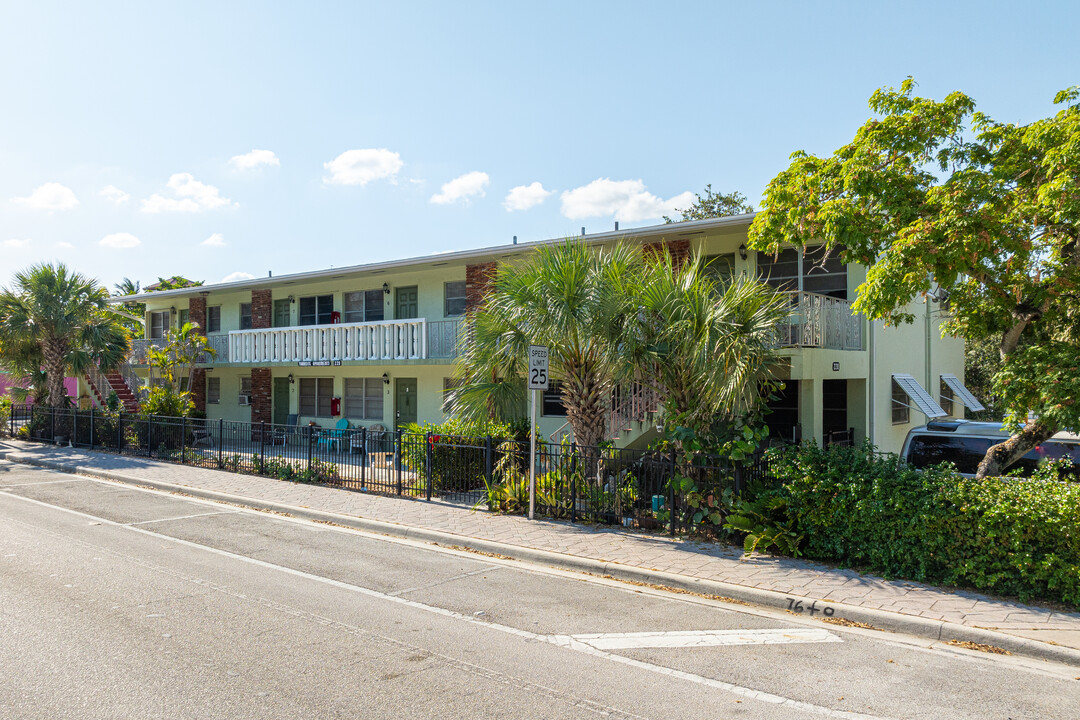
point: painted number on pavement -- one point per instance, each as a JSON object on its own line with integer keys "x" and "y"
{"x": 797, "y": 606}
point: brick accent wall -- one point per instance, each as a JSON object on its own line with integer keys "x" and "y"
{"x": 261, "y": 404}
{"x": 197, "y": 314}
{"x": 679, "y": 250}
{"x": 198, "y": 389}
{"x": 262, "y": 309}
{"x": 478, "y": 280}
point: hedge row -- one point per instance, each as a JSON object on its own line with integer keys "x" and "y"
{"x": 1007, "y": 536}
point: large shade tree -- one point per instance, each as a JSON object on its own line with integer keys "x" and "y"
{"x": 940, "y": 200}
{"x": 61, "y": 322}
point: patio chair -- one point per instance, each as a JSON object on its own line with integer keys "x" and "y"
{"x": 282, "y": 433}
{"x": 201, "y": 435}
{"x": 330, "y": 438}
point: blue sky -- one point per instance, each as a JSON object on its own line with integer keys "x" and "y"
{"x": 390, "y": 130}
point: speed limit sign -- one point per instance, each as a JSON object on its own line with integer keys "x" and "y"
{"x": 538, "y": 367}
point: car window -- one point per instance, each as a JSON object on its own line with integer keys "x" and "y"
{"x": 966, "y": 452}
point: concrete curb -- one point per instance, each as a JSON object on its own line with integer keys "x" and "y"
{"x": 935, "y": 630}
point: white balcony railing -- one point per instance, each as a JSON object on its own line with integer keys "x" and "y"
{"x": 385, "y": 340}
{"x": 820, "y": 321}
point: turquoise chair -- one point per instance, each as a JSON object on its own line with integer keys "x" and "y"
{"x": 334, "y": 437}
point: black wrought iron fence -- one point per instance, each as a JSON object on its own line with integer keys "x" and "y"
{"x": 635, "y": 488}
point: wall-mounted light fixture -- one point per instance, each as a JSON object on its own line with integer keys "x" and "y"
{"x": 386, "y": 378}
{"x": 386, "y": 288}
{"x": 291, "y": 379}
{"x": 172, "y": 310}
{"x": 292, "y": 298}
{"x": 742, "y": 251}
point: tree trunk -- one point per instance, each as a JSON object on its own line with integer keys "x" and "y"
{"x": 583, "y": 396}
{"x": 53, "y": 353}
{"x": 999, "y": 457}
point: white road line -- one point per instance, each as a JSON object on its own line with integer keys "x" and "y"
{"x": 183, "y": 517}
{"x": 564, "y": 641}
{"x": 47, "y": 482}
{"x": 704, "y": 638}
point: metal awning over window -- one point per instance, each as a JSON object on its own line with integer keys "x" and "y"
{"x": 962, "y": 394}
{"x": 921, "y": 400}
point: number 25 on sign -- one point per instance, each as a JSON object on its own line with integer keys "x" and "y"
{"x": 538, "y": 367}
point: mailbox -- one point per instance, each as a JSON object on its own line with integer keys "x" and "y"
{"x": 335, "y": 406}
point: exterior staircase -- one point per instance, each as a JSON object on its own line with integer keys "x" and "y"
{"x": 102, "y": 383}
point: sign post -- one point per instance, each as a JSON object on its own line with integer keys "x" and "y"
{"x": 538, "y": 380}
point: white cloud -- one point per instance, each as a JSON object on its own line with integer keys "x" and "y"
{"x": 254, "y": 159}
{"x": 524, "y": 197}
{"x": 215, "y": 240}
{"x": 118, "y": 196}
{"x": 359, "y": 167}
{"x": 462, "y": 188}
{"x": 233, "y": 277}
{"x": 191, "y": 196}
{"x": 50, "y": 196}
{"x": 16, "y": 243}
{"x": 627, "y": 200}
{"x": 64, "y": 245}
{"x": 119, "y": 241}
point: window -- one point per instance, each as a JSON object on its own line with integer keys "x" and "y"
{"x": 316, "y": 310}
{"x": 185, "y": 317}
{"x": 183, "y": 384}
{"x": 364, "y": 398}
{"x": 159, "y": 324}
{"x": 363, "y": 306}
{"x": 245, "y": 316}
{"x": 553, "y": 405}
{"x": 901, "y": 413}
{"x": 245, "y": 386}
{"x": 781, "y": 271}
{"x": 213, "y": 390}
{"x": 947, "y": 397}
{"x": 720, "y": 268}
{"x": 315, "y": 394}
{"x": 824, "y": 273}
{"x": 282, "y": 312}
{"x": 454, "y": 298}
{"x": 213, "y": 319}
{"x": 808, "y": 271}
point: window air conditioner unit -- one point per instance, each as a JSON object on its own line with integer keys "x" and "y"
{"x": 244, "y": 399}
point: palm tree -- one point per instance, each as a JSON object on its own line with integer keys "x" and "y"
{"x": 575, "y": 300}
{"x": 66, "y": 316}
{"x": 706, "y": 348}
{"x": 131, "y": 287}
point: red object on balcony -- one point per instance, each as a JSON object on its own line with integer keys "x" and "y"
{"x": 335, "y": 317}
{"x": 335, "y": 406}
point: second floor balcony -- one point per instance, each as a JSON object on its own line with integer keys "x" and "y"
{"x": 384, "y": 341}
{"x": 821, "y": 321}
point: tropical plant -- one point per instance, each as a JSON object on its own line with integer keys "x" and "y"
{"x": 136, "y": 309}
{"x": 991, "y": 223}
{"x": 572, "y": 298}
{"x": 708, "y": 350}
{"x": 65, "y": 318}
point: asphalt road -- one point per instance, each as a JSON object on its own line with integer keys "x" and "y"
{"x": 117, "y": 602}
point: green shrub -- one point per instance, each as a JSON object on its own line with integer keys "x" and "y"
{"x": 5, "y": 414}
{"x": 454, "y": 467}
{"x": 1008, "y": 536}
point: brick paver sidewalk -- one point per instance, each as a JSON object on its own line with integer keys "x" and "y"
{"x": 691, "y": 559}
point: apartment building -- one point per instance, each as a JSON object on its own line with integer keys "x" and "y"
{"x": 376, "y": 343}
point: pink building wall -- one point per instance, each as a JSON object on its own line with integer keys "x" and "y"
{"x": 6, "y": 382}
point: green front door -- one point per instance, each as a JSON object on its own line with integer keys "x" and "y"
{"x": 404, "y": 401}
{"x": 406, "y": 306}
{"x": 282, "y": 309}
{"x": 281, "y": 400}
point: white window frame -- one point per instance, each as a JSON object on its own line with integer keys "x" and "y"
{"x": 319, "y": 398}
{"x": 447, "y": 297}
{"x": 369, "y": 386}
{"x": 166, "y": 315}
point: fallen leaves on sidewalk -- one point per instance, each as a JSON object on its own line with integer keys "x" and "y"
{"x": 979, "y": 646}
